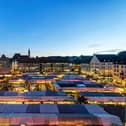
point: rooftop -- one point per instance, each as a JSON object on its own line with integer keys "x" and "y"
{"x": 32, "y": 93}
{"x": 72, "y": 83}
{"x": 106, "y": 57}
{"x": 56, "y": 115}
{"x": 101, "y": 94}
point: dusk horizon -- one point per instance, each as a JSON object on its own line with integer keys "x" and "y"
{"x": 106, "y": 52}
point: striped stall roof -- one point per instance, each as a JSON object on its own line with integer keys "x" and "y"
{"x": 33, "y": 93}
{"x": 56, "y": 115}
{"x": 104, "y": 97}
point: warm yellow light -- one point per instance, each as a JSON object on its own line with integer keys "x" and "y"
{"x": 23, "y": 125}
{"x": 8, "y": 75}
{"x": 20, "y": 80}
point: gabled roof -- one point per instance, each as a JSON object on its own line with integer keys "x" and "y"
{"x": 4, "y": 58}
{"x": 106, "y": 57}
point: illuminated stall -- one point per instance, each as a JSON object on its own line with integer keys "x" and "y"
{"x": 75, "y": 115}
{"x": 104, "y": 98}
{"x": 18, "y": 84}
{"x": 36, "y": 97}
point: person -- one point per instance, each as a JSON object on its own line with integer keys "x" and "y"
{"x": 79, "y": 99}
{"x": 82, "y": 99}
{"x": 85, "y": 100}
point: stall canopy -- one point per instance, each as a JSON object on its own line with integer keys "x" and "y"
{"x": 33, "y": 93}
{"x": 104, "y": 96}
{"x": 34, "y": 96}
{"x": 56, "y": 115}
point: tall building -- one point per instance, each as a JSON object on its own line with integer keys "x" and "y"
{"x": 4, "y": 64}
{"x": 29, "y": 53}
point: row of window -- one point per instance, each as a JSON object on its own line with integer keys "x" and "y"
{"x": 122, "y": 66}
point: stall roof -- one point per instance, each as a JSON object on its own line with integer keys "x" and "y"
{"x": 37, "y": 75}
{"x": 117, "y": 110}
{"x": 56, "y": 115}
{"x": 101, "y": 94}
{"x": 71, "y": 83}
{"x": 74, "y": 77}
{"x": 33, "y": 93}
{"x": 106, "y": 97}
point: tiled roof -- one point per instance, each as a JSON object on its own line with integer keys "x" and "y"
{"x": 106, "y": 57}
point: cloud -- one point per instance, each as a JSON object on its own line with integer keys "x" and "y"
{"x": 94, "y": 45}
{"x": 109, "y": 51}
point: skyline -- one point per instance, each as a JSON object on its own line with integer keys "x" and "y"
{"x": 27, "y": 53}
{"x": 62, "y": 27}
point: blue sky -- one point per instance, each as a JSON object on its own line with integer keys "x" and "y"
{"x": 62, "y": 27}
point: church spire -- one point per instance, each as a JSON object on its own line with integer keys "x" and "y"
{"x": 29, "y": 52}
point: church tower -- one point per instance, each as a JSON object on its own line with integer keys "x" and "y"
{"x": 29, "y": 53}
